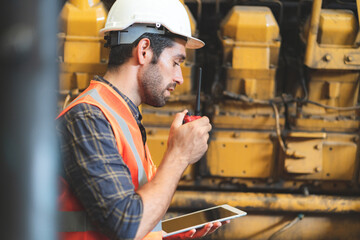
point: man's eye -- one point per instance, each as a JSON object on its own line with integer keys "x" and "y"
{"x": 176, "y": 64}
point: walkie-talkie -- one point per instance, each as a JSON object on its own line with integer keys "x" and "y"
{"x": 189, "y": 118}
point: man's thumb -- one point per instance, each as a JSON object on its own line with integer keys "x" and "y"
{"x": 179, "y": 118}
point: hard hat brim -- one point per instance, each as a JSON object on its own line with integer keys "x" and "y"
{"x": 194, "y": 43}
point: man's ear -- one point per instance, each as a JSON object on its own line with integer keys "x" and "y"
{"x": 143, "y": 51}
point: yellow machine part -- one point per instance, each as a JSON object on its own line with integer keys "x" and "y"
{"x": 339, "y": 89}
{"x": 321, "y": 156}
{"x": 235, "y": 114}
{"x": 259, "y": 84}
{"x": 330, "y": 42}
{"x": 82, "y": 18}
{"x": 239, "y": 146}
{"x": 330, "y": 83}
{"x": 312, "y": 156}
{"x": 251, "y": 41}
{"x": 250, "y": 24}
{"x": 82, "y": 54}
{"x": 281, "y": 202}
{"x": 337, "y": 27}
{"x": 241, "y": 154}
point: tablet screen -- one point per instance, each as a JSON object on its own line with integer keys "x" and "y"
{"x": 197, "y": 218}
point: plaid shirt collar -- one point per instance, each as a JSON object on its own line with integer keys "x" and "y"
{"x": 134, "y": 109}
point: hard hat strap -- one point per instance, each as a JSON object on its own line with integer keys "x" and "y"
{"x": 132, "y": 33}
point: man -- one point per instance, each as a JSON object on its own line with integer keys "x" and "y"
{"x": 109, "y": 176}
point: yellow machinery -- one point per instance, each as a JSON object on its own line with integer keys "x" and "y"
{"x": 325, "y": 123}
{"x": 281, "y": 87}
{"x": 251, "y": 43}
{"x": 81, "y": 50}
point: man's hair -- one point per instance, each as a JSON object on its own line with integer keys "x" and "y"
{"x": 121, "y": 53}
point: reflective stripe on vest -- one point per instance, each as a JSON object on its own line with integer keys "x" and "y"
{"x": 142, "y": 179}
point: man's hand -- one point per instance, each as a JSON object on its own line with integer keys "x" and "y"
{"x": 197, "y": 233}
{"x": 188, "y": 141}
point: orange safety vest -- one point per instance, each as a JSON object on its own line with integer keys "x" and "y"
{"x": 76, "y": 225}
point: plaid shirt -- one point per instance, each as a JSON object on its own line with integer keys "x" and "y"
{"x": 95, "y": 170}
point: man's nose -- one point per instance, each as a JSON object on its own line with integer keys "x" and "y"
{"x": 178, "y": 78}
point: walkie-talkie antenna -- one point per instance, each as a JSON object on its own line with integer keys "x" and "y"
{"x": 197, "y": 106}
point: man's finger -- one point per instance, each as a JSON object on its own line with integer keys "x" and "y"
{"x": 225, "y": 222}
{"x": 215, "y": 226}
{"x": 203, "y": 231}
{"x": 179, "y": 118}
{"x": 189, "y": 234}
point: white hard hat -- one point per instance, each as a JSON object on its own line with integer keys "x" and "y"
{"x": 134, "y": 16}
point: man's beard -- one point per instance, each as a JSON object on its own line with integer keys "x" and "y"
{"x": 151, "y": 81}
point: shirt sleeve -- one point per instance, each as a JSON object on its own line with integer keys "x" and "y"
{"x": 97, "y": 173}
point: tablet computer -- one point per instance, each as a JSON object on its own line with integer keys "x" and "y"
{"x": 198, "y": 219}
